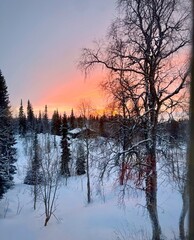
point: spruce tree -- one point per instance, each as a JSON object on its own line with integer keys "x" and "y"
{"x": 56, "y": 123}
{"x": 72, "y": 120}
{"x": 22, "y": 121}
{"x": 80, "y": 122}
{"x": 65, "y": 156}
{"x": 102, "y": 125}
{"x": 80, "y": 161}
{"x": 30, "y": 117}
{"x": 39, "y": 123}
{"x": 33, "y": 174}
{"x": 7, "y": 140}
{"x": 46, "y": 128}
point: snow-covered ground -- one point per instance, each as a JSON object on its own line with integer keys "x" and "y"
{"x": 103, "y": 219}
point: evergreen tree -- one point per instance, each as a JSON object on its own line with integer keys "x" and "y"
{"x": 46, "y": 128}
{"x": 7, "y": 141}
{"x": 30, "y": 117}
{"x": 65, "y": 157}
{"x": 102, "y": 125}
{"x": 80, "y": 161}
{"x": 39, "y": 123}
{"x": 80, "y": 122}
{"x": 173, "y": 129}
{"x": 22, "y": 121}
{"x": 72, "y": 120}
{"x": 33, "y": 174}
{"x": 56, "y": 123}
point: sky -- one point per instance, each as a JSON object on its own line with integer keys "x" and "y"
{"x": 40, "y": 45}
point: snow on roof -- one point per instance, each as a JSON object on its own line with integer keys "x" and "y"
{"x": 76, "y": 130}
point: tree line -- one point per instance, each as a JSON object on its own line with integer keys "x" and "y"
{"x": 140, "y": 55}
{"x": 116, "y": 128}
{"x": 147, "y": 83}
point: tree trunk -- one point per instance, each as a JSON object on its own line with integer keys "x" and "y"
{"x": 184, "y": 210}
{"x": 35, "y": 195}
{"x": 122, "y": 173}
{"x": 46, "y": 220}
{"x": 151, "y": 197}
{"x": 88, "y": 173}
{"x": 88, "y": 187}
{"x": 88, "y": 181}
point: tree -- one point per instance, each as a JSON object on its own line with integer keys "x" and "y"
{"x": 34, "y": 176}
{"x": 142, "y": 47}
{"x": 176, "y": 170}
{"x": 85, "y": 111}
{"x": 30, "y": 117}
{"x": 22, "y": 121}
{"x": 80, "y": 122}
{"x": 80, "y": 161}
{"x": 50, "y": 180}
{"x": 65, "y": 156}
{"x": 102, "y": 122}
{"x": 56, "y": 123}
{"x": 120, "y": 123}
{"x": 7, "y": 140}
{"x": 39, "y": 123}
{"x": 45, "y": 121}
{"x": 72, "y": 120}
{"x": 173, "y": 128}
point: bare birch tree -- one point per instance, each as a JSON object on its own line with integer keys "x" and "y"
{"x": 176, "y": 171}
{"x": 85, "y": 111}
{"x": 145, "y": 43}
{"x": 50, "y": 169}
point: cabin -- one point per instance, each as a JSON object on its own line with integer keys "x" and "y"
{"x": 82, "y": 133}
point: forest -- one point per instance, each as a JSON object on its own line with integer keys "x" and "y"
{"x": 132, "y": 157}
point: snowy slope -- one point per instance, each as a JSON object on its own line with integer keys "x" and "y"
{"x": 75, "y": 219}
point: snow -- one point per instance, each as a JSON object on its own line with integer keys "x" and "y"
{"x": 103, "y": 219}
{"x": 76, "y": 130}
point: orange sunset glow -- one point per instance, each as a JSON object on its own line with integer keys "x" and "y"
{"x": 64, "y": 93}
{"x": 48, "y": 49}
{"x": 96, "y": 125}
{"x": 70, "y": 93}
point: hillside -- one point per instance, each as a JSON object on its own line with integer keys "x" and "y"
{"x": 105, "y": 218}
